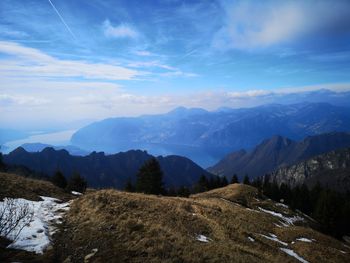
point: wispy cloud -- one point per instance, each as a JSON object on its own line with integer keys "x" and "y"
{"x": 258, "y": 25}
{"x": 10, "y": 100}
{"x": 30, "y": 62}
{"x": 8, "y": 32}
{"x": 143, "y": 53}
{"x": 119, "y": 31}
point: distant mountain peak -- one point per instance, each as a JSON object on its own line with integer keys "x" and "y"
{"x": 18, "y": 150}
{"x": 183, "y": 111}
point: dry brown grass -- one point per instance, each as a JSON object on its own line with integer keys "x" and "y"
{"x": 127, "y": 227}
{"x": 15, "y": 186}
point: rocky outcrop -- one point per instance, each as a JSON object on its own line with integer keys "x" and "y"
{"x": 331, "y": 169}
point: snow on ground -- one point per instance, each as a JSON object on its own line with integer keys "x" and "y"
{"x": 36, "y": 235}
{"x": 76, "y": 193}
{"x": 282, "y": 205}
{"x": 251, "y": 239}
{"x": 203, "y": 238}
{"x": 304, "y": 239}
{"x": 287, "y": 220}
{"x": 293, "y": 254}
{"x": 274, "y": 238}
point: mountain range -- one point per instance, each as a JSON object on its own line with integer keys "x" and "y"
{"x": 277, "y": 152}
{"x": 205, "y": 137}
{"x": 38, "y": 147}
{"x": 102, "y": 170}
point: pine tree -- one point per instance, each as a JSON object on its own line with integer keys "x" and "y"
{"x": 202, "y": 184}
{"x": 59, "y": 180}
{"x": 77, "y": 183}
{"x": 183, "y": 191}
{"x": 234, "y": 179}
{"x": 129, "y": 187}
{"x": 246, "y": 179}
{"x": 285, "y": 193}
{"x": 149, "y": 178}
{"x": 2, "y": 164}
{"x": 224, "y": 181}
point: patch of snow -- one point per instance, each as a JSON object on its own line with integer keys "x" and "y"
{"x": 36, "y": 235}
{"x": 203, "y": 238}
{"x": 305, "y": 215}
{"x": 287, "y": 220}
{"x": 251, "y": 239}
{"x": 343, "y": 252}
{"x": 293, "y": 254}
{"x": 304, "y": 239}
{"x": 76, "y": 193}
{"x": 282, "y": 205}
{"x": 253, "y": 210}
{"x": 274, "y": 238}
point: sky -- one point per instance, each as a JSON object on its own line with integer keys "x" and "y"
{"x": 74, "y": 61}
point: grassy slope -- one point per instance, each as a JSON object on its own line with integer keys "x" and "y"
{"x": 16, "y": 186}
{"x": 127, "y": 227}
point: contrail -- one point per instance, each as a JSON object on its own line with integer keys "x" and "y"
{"x": 64, "y": 22}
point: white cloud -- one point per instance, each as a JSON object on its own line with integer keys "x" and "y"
{"x": 10, "y": 100}
{"x": 29, "y": 62}
{"x": 8, "y": 32}
{"x": 120, "y": 31}
{"x": 29, "y": 104}
{"x": 143, "y": 53}
{"x": 249, "y": 24}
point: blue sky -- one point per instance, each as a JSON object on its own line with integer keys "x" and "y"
{"x": 70, "y": 60}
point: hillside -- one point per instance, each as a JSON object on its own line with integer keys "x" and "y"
{"x": 230, "y": 224}
{"x": 278, "y": 152}
{"x": 204, "y": 136}
{"x": 15, "y": 186}
{"x": 331, "y": 170}
{"x": 102, "y": 170}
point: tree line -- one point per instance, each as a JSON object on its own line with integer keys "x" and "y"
{"x": 75, "y": 183}
{"x": 149, "y": 180}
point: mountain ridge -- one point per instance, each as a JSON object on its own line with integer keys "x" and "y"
{"x": 276, "y": 152}
{"x": 205, "y": 136}
{"x": 102, "y": 170}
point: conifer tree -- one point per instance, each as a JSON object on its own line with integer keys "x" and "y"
{"x": 183, "y": 191}
{"x": 224, "y": 181}
{"x": 77, "y": 183}
{"x": 234, "y": 179}
{"x": 2, "y": 164}
{"x": 202, "y": 184}
{"x": 150, "y": 178}
{"x": 129, "y": 187}
{"x": 246, "y": 179}
{"x": 59, "y": 180}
